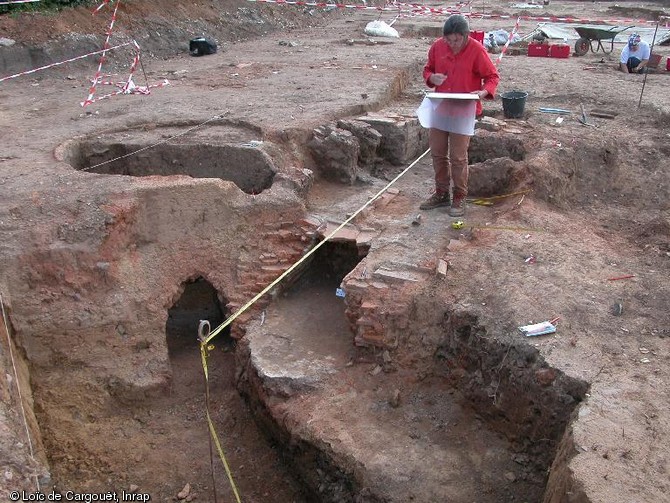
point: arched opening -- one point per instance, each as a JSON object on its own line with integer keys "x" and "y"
{"x": 330, "y": 264}
{"x": 199, "y": 301}
{"x": 182, "y": 411}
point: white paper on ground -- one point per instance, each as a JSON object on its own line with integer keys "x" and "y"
{"x": 451, "y": 115}
{"x": 537, "y": 329}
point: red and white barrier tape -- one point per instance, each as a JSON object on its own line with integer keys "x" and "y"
{"x": 104, "y": 2}
{"x": 27, "y": 72}
{"x": 509, "y": 41}
{"x": 302, "y": 3}
{"x": 91, "y": 90}
{"x": 415, "y": 6}
{"x": 133, "y": 67}
{"x": 555, "y": 19}
{"x": 418, "y": 9}
{"x": 127, "y": 87}
{"x": 413, "y": 10}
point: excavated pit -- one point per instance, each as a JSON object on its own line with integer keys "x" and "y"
{"x": 230, "y": 152}
{"x": 167, "y": 429}
{"x": 486, "y": 409}
{"x": 489, "y": 410}
{"x": 496, "y": 449}
{"x": 412, "y": 387}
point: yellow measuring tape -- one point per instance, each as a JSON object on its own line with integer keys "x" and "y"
{"x": 205, "y": 335}
{"x": 288, "y": 271}
{"x": 488, "y": 201}
{"x": 203, "y": 332}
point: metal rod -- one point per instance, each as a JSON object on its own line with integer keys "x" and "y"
{"x": 554, "y": 110}
{"x": 651, "y": 51}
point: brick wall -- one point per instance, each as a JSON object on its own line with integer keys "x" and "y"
{"x": 279, "y": 246}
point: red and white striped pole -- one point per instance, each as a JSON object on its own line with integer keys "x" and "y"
{"x": 105, "y": 47}
{"x": 509, "y": 41}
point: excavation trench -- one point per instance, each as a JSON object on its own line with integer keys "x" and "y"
{"x": 231, "y": 152}
{"x": 482, "y": 421}
{"x": 478, "y": 418}
{"x": 102, "y": 435}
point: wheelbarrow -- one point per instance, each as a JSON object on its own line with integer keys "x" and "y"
{"x": 592, "y": 38}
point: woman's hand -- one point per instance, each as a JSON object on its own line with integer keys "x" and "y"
{"x": 483, "y": 93}
{"x": 437, "y": 79}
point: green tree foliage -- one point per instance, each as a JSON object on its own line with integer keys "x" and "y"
{"x": 43, "y": 6}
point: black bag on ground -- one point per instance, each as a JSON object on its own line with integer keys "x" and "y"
{"x": 201, "y": 47}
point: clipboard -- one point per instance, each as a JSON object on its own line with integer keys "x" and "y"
{"x": 452, "y": 96}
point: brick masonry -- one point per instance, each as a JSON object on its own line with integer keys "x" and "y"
{"x": 369, "y": 288}
{"x": 279, "y": 247}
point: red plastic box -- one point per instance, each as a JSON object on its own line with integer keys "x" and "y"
{"x": 654, "y": 60}
{"x": 559, "y": 51}
{"x": 667, "y": 64}
{"x": 538, "y": 50}
{"x": 478, "y": 36}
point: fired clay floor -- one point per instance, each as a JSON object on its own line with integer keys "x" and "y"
{"x": 424, "y": 448}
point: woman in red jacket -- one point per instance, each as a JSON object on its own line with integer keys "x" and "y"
{"x": 456, "y": 64}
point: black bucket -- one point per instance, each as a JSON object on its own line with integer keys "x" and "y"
{"x": 513, "y": 104}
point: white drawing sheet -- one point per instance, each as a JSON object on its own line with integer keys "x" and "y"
{"x": 454, "y": 115}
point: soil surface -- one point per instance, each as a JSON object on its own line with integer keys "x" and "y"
{"x": 588, "y": 244}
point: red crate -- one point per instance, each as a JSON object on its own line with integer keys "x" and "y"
{"x": 559, "y": 51}
{"x": 538, "y": 50}
{"x": 478, "y": 36}
{"x": 654, "y": 60}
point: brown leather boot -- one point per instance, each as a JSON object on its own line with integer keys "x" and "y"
{"x": 457, "y": 206}
{"x": 435, "y": 201}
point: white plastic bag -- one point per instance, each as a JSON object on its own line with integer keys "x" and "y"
{"x": 380, "y": 29}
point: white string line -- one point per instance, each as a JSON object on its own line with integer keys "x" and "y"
{"x": 18, "y": 1}
{"x": 155, "y": 144}
{"x": 18, "y": 388}
{"x": 51, "y": 65}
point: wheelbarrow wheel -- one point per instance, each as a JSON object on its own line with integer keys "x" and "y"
{"x": 582, "y": 46}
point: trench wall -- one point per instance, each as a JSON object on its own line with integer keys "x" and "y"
{"x": 505, "y": 382}
{"x": 324, "y": 478}
{"x": 24, "y": 463}
{"x": 509, "y": 384}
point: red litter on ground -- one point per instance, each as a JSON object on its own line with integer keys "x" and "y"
{"x": 627, "y": 276}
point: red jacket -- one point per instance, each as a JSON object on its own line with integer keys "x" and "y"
{"x": 469, "y": 70}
